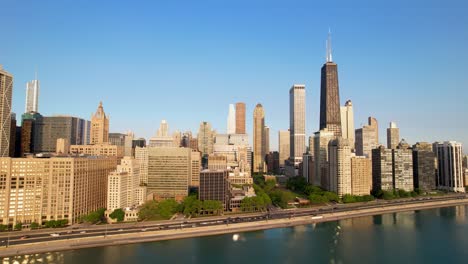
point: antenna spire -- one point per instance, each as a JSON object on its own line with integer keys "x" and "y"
{"x": 329, "y": 49}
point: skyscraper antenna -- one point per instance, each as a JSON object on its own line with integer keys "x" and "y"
{"x": 329, "y": 49}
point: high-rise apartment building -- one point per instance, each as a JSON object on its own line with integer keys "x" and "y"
{"x": 403, "y": 167}
{"x": 382, "y": 169}
{"x": 259, "y": 139}
{"x": 347, "y": 122}
{"x": 361, "y": 175}
{"x": 297, "y": 123}
{"x": 141, "y": 155}
{"x": 321, "y": 141}
{"x": 123, "y": 184}
{"x": 240, "y": 118}
{"x": 283, "y": 146}
{"x": 330, "y": 114}
{"x": 393, "y": 136}
{"x": 205, "y": 138}
{"x": 372, "y": 122}
{"x": 424, "y": 167}
{"x": 340, "y": 166}
{"x": 99, "y": 126}
{"x": 366, "y": 139}
{"x": 43, "y": 189}
{"x": 214, "y": 185}
{"x": 32, "y": 97}
{"x": 231, "y": 120}
{"x": 196, "y": 168}
{"x": 169, "y": 172}
{"x": 6, "y": 91}
{"x": 449, "y": 166}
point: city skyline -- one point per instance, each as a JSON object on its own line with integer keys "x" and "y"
{"x": 366, "y": 87}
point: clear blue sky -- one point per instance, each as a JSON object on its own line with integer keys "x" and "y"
{"x": 185, "y": 61}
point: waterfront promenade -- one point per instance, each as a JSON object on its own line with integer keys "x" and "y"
{"x": 216, "y": 226}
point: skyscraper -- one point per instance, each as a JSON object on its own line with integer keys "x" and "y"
{"x": 297, "y": 123}
{"x": 347, "y": 122}
{"x": 231, "y": 120}
{"x": 32, "y": 96}
{"x": 6, "y": 91}
{"x": 321, "y": 141}
{"x": 340, "y": 166}
{"x": 99, "y": 127}
{"x": 372, "y": 121}
{"x": 403, "y": 167}
{"x": 258, "y": 138}
{"x": 266, "y": 141}
{"x": 329, "y": 95}
{"x": 283, "y": 146}
{"x": 240, "y": 118}
{"x": 449, "y": 167}
{"x": 162, "y": 137}
{"x": 424, "y": 166}
{"x": 367, "y": 138}
{"x": 393, "y": 136}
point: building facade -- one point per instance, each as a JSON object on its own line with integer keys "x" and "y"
{"x": 361, "y": 175}
{"x": 366, "y": 139}
{"x": 424, "y": 167}
{"x": 32, "y": 97}
{"x": 283, "y": 146}
{"x": 214, "y": 185}
{"x": 382, "y": 169}
{"x": 340, "y": 166}
{"x": 259, "y": 139}
{"x": 393, "y": 136}
{"x": 347, "y": 122}
{"x": 99, "y": 126}
{"x": 321, "y": 141}
{"x": 6, "y": 91}
{"x": 449, "y": 166}
{"x": 205, "y": 138}
{"x": 297, "y": 123}
{"x": 240, "y": 118}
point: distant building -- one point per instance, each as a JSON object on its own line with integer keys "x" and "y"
{"x": 347, "y": 122}
{"x": 64, "y": 191}
{"x": 32, "y": 97}
{"x": 231, "y": 120}
{"x": 393, "y": 136}
{"x": 283, "y": 146}
{"x": 449, "y": 167}
{"x": 259, "y": 139}
{"x": 266, "y": 140}
{"x": 141, "y": 155}
{"x": 205, "y": 138}
{"x": 214, "y": 185}
{"x": 424, "y": 167}
{"x": 272, "y": 162}
{"x": 99, "y": 127}
{"x": 162, "y": 139}
{"x": 63, "y": 146}
{"x": 217, "y": 162}
{"x": 123, "y": 184}
{"x": 6, "y": 91}
{"x": 308, "y": 167}
{"x": 98, "y": 150}
{"x": 403, "y": 167}
{"x": 240, "y": 118}
{"x": 382, "y": 169}
{"x": 340, "y": 166}
{"x": 169, "y": 172}
{"x": 321, "y": 141}
{"x": 13, "y": 136}
{"x": 196, "y": 168}
{"x": 366, "y": 138}
{"x": 297, "y": 123}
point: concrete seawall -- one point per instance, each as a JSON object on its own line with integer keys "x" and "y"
{"x": 121, "y": 239}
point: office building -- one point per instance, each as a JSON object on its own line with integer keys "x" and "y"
{"x": 214, "y": 185}
{"x": 308, "y": 169}
{"x": 266, "y": 138}
{"x": 196, "y": 168}
{"x": 340, "y": 166}
{"x": 347, "y": 122}
{"x": 217, "y": 162}
{"x": 231, "y": 120}
{"x": 330, "y": 114}
{"x": 169, "y": 172}
{"x": 321, "y": 141}
{"x": 123, "y": 184}
{"x": 393, "y": 136}
{"x": 11, "y": 152}
{"x": 98, "y": 150}
{"x": 297, "y": 123}
{"x": 272, "y": 161}
{"x": 259, "y": 139}
{"x": 99, "y": 126}
{"x": 424, "y": 167}
{"x": 449, "y": 166}
{"x": 32, "y": 97}
{"x": 52, "y": 188}
{"x": 6, "y": 91}
{"x": 162, "y": 139}
{"x": 141, "y": 155}
{"x": 205, "y": 138}
{"x": 283, "y": 146}
{"x": 240, "y": 118}
{"x": 361, "y": 175}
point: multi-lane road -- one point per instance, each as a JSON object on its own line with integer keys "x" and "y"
{"x": 44, "y": 235}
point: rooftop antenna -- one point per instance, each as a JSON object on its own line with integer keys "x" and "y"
{"x": 329, "y": 49}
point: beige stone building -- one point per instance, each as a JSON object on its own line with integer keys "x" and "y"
{"x": 205, "y": 138}
{"x": 123, "y": 184}
{"x": 283, "y": 146}
{"x": 366, "y": 138}
{"x": 6, "y": 91}
{"x": 340, "y": 166}
{"x": 217, "y": 162}
{"x": 99, "y": 127}
{"x": 347, "y": 122}
{"x": 44, "y": 189}
{"x": 98, "y": 150}
{"x": 321, "y": 165}
{"x": 196, "y": 168}
{"x": 361, "y": 175}
{"x": 141, "y": 155}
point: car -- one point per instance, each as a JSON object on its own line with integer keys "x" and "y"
{"x": 69, "y": 232}
{"x": 144, "y": 229}
{"x": 83, "y": 232}
{"x": 120, "y": 230}
{"x": 24, "y": 237}
{"x": 54, "y": 235}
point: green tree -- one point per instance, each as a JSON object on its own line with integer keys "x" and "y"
{"x": 331, "y": 196}
{"x": 317, "y": 198}
{"x": 149, "y": 211}
{"x": 296, "y": 184}
{"x": 95, "y": 217}
{"x": 118, "y": 214}
{"x": 34, "y": 225}
{"x": 18, "y": 226}
{"x": 3, "y": 227}
{"x": 212, "y": 207}
{"x": 191, "y": 206}
{"x": 388, "y": 195}
{"x": 167, "y": 208}
{"x": 348, "y": 198}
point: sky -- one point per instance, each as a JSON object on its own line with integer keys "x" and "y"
{"x": 186, "y": 61}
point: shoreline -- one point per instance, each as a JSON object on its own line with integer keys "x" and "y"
{"x": 162, "y": 235}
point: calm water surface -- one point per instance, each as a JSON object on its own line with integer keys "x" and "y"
{"x": 429, "y": 236}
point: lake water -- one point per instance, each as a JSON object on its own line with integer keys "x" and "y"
{"x": 427, "y": 236}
